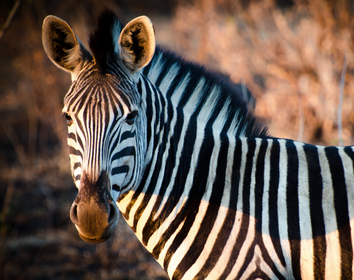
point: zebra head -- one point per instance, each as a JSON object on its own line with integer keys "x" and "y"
{"x": 106, "y": 135}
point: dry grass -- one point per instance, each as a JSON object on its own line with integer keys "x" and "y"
{"x": 291, "y": 60}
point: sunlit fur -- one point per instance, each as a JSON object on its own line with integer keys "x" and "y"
{"x": 203, "y": 187}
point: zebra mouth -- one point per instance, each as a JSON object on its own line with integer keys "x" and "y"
{"x": 94, "y": 240}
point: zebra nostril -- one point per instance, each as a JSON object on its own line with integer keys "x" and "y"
{"x": 113, "y": 214}
{"x": 73, "y": 214}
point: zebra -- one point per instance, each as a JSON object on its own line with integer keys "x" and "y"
{"x": 174, "y": 149}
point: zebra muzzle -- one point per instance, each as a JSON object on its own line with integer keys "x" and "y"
{"x": 95, "y": 224}
{"x": 94, "y": 213}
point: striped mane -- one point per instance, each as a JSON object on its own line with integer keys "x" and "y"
{"x": 103, "y": 41}
{"x": 163, "y": 60}
{"x": 104, "y": 46}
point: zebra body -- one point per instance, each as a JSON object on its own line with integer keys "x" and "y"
{"x": 204, "y": 188}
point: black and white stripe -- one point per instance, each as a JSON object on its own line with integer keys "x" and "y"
{"x": 204, "y": 188}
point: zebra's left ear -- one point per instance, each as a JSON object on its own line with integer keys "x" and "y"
{"x": 137, "y": 43}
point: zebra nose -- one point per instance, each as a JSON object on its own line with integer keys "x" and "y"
{"x": 94, "y": 220}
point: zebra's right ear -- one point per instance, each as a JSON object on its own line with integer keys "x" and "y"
{"x": 62, "y": 46}
{"x": 137, "y": 43}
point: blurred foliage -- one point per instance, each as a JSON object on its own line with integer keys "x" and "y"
{"x": 291, "y": 59}
{"x": 289, "y": 53}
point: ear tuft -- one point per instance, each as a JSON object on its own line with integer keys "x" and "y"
{"x": 137, "y": 43}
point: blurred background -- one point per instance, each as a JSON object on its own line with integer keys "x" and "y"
{"x": 295, "y": 56}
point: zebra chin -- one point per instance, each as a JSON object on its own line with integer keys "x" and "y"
{"x": 94, "y": 241}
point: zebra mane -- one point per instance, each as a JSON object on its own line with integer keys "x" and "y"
{"x": 103, "y": 41}
{"x": 247, "y": 124}
{"x": 104, "y": 46}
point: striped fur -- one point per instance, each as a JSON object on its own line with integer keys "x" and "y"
{"x": 203, "y": 187}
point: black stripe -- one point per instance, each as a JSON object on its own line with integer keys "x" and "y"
{"x": 72, "y": 136}
{"x": 149, "y": 110}
{"x": 341, "y": 210}
{"x": 76, "y": 165}
{"x": 79, "y": 141}
{"x": 293, "y": 205}
{"x": 127, "y": 134}
{"x": 81, "y": 128}
{"x": 259, "y": 274}
{"x": 116, "y": 188}
{"x": 120, "y": 169}
{"x": 318, "y": 226}
{"x": 73, "y": 151}
{"x": 127, "y": 151}
{"x": 259, "y": 187}
{"x": 176, "y": 81}
{"x": 273, "y": 200}
{"x": 165, "y": 67}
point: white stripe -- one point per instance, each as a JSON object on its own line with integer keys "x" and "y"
{"x": 282, "y": 205}
{"x": 156, "y": 68}
{"x": 168, "y": 78}
{"x": 306, "y": 252}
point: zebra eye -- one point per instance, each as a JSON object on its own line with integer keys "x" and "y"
{"x": 130, "y": 119}
{"x": 69, "y": 120}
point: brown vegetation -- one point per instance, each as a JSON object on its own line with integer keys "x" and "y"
{"x": 290, "y": 59}
{"x": 293, "y": 60}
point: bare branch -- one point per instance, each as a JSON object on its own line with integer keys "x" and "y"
{"x": 340, "y": 104}
{"x": 10, "y": 17}
{"x": 300, "y": 134}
